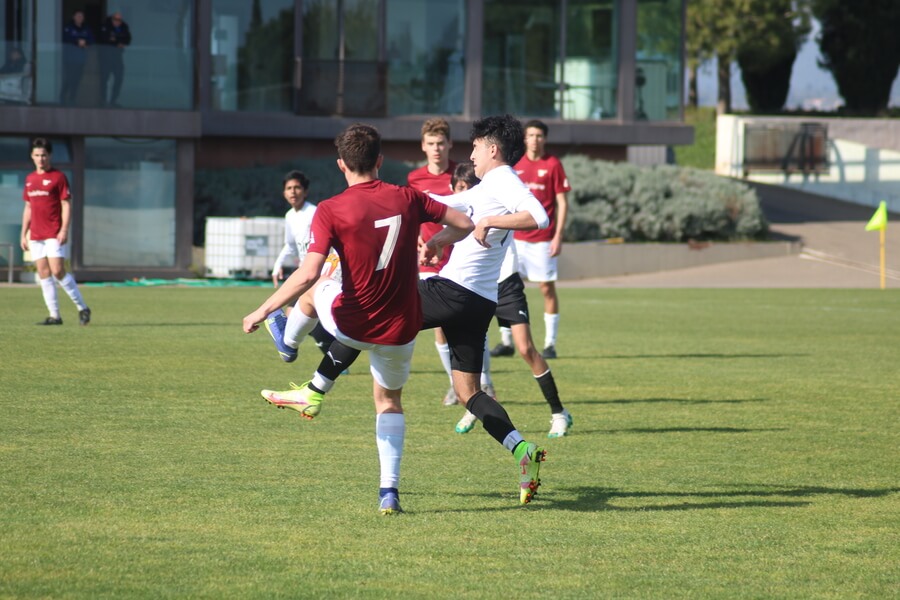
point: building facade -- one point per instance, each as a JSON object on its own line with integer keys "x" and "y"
{"x": 229, "y": 83}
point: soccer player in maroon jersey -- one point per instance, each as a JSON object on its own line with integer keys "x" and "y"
{"x": 374, "y": 227}
{"x": 45, "y": 231}
{"x": 537, "y": 250}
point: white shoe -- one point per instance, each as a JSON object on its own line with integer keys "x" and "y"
{"x": 560, "y": 424}
{"x": 467, "y": 423}
{"x": 488, "y": 388}
{"x": 451, "y": 399}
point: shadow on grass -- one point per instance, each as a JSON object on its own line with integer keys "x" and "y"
{"x": 686, "y": 430}
{"x": 764, "y": 496}
{"x": 704, "y": 355}
{"x": 670, "y": 401}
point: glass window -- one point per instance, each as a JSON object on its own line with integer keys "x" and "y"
{"x": 252, "y": 49}
{"x": 129, "y": 203}
{"x": 526, "y": 72}
{"x": 138, "y": 56}
{"x": 426, "y": 56}
{"x": 521, "y": 57}
{"x": 590, "y": 69}
{"x": 658, "y": 76}
{"x": 17, "y": 53}
{"x": 343, "y": 71}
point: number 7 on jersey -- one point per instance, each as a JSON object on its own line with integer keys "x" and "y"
{"x": 393, "y": 225}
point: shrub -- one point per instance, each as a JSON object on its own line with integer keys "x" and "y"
{"x": 662, "y": 204}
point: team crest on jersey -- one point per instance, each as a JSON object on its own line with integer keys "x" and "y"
{"x": 46, "y": 181}
{"x": 542, "y": 172}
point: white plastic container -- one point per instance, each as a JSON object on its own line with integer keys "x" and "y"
{"x": 242, "y": 248}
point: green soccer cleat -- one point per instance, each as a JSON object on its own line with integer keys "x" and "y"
{"x": 301, "y": 398}
{"x": 530, "y": 457}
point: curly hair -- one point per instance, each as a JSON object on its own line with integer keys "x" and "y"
{"x": 504, "y": 131}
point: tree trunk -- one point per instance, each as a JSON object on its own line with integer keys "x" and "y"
{"x": 723, "y": 105}
{"x": 693, "y": 95}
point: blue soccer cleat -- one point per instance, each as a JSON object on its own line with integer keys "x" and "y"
{"x": 275, "y": 325}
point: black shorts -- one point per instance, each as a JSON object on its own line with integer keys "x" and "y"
{"x": 512, "y": 306}
{"x": 462, "y": 314}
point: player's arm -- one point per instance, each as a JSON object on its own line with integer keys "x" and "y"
{"x": 562, "y": 209}
{"x": 526, "y": 213}
{"x": 26, "y": 226}
{"x": 287, "y": 250}
{"x": 300, "y": 280}
{"x": 456, "y": 226}
{"x": 63, "y": 234}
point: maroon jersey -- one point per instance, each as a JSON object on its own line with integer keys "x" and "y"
{"x": 545, "y": 178}
{"x": 45, "y": 193}
{"x": 374, "y": 227}
{"x": 420, "y": 179}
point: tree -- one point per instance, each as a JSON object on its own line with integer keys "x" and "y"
{"x": 861, "y": 48}
{"x": 712, "y": 29}
{"x": 770, "y": 39}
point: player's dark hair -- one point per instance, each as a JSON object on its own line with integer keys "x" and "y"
{"x": 359, "y": 146}
{"x": 464, "y": 171}
{"x": 436, "y": 126}
{"x": 537, "y": 125}
{"x": 42, "y": 143}
{"x": 506, "y": 132}
{"x": 299, "y": 176}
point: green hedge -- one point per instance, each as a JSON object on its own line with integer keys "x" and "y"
{"x": 662, "y": 203}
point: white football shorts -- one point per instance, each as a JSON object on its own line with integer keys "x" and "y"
{"x": 390, "y": 365}
{"x": 535, "y": 262}
{"x": 49, "y": 248}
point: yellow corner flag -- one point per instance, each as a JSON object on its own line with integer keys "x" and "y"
{"x": 879, "y": 219}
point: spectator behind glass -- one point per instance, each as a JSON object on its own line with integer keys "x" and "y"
{"x": 76, "y": 39}
{"x": 114, "y": 36}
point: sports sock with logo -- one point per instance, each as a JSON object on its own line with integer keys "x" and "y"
{"x": 548, "y": 388}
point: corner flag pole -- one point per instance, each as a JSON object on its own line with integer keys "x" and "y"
{"x": 879, "y": 222}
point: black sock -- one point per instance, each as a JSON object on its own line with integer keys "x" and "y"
{"x": 322, "y": 337}
{"x": 548, "y": 388}
{"x": 491, "y": 414}
{"x": 337, "y": 358}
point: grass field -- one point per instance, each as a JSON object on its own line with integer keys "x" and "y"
{"x": 727, "y": 444}
{"x": 702, "y": 153}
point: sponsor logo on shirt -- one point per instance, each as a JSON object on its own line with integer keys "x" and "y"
{"x": 38, "y": 193}
{"x": 541, "y": 172}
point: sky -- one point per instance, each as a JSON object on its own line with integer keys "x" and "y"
{"x": 812, "y": 88}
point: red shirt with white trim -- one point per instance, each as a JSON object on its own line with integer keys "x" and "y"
{"x": 374, "y": 227}
{"x": 45, "y": 193}
{"x": 545, "y": 177}
{"x": 421, "y": 179}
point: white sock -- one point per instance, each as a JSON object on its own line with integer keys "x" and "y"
{"x": 486, "y": 366}
{"x": 506, "y": 336}
{"x": 321, "y": 382}
{"x": 48, "y": 288}
{"x": 512, "y": 440}
{"x": 390, "y": 429}
{"x": 551, "y": 325}
{"x": 444, "y": 353}
{"x": 71, "y": 288}
{"x": 298, "y": 326}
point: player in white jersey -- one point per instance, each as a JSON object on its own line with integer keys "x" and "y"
{"x": 463, "y": 298}
{"x": 285, "y": 331}
{"x": 512, "y": 312}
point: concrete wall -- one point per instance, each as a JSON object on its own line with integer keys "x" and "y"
{"x": 585, "y": 260}
{"x": 863, "y": 157}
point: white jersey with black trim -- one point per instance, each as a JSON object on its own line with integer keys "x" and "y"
{"x": 296, "y": 234}
{"x": 501, "y": 192}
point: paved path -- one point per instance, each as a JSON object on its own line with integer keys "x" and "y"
{"x": 837, "y": 251}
